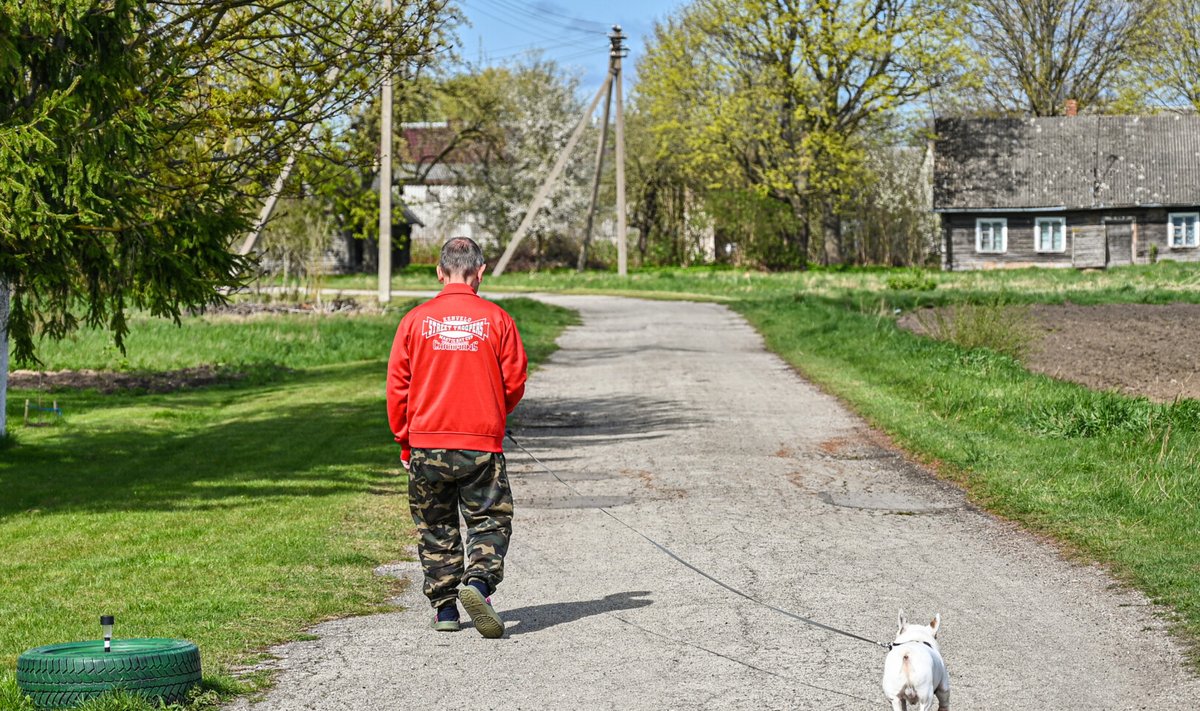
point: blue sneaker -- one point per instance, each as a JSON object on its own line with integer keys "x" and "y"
{"x": 446, "y": 619}
{"x": 482, "y": 614}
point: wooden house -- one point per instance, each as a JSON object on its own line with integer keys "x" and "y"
{"x": 433, "y": 156}
{"x": 1068, "y": 191}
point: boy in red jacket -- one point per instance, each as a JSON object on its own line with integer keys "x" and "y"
{"x": 456, "y": 371}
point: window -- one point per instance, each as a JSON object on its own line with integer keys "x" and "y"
{"x": 991, "y": 234}
{"x": 1182, "y": 229}
{"x": 1049, "y": 234}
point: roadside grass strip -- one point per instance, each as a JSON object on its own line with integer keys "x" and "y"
{"x": 1116, "y": 478}
{"x": 233, "y": 516}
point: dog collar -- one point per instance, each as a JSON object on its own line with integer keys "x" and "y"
{"x": 893, "y": 645}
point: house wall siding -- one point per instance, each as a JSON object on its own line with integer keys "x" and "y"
{"x": 1021, "y": 250}
{"x": 1153, "y": 231}
{"x": 1086, "y": 240}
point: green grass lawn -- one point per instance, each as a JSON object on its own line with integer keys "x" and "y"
{"x": 234, "y": 516}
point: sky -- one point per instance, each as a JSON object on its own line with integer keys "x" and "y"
{"x": 571, "y": 32}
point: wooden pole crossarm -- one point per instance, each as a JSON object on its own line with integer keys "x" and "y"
{"x": 591, "y": 217}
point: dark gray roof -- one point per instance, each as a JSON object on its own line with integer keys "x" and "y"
{"x": 1066, "y": 162}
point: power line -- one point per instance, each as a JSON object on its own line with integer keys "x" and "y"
{"x": 542, "y": 14}
{"x": 532, "y": 31}
{"x": 578, "y": 55}
{"x": 565, "y": 44}
{"x": 556, "y": 47}
{"x": 559, "y": 59}
{"x": 539, "y": 9}
{"x": 559, "y": 52}
{"x": 526, "y": 22}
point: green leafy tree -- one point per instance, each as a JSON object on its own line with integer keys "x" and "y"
{"x": 1172, "y": 72}
{"x": 296, "y": 241}
{"x": 891, "y": 216}
{"x": 663, "y": 207}
{"x": 774, "y": 99}
{"x": 136, "y": 137}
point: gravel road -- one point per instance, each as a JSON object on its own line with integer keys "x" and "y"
{"x": 674, "y": 416}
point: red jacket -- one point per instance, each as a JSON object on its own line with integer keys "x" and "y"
{"x": 457, "y": 369}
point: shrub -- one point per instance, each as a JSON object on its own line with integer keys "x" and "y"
{"x": 1003, "y": 327}
{"x": 911, "y": 280}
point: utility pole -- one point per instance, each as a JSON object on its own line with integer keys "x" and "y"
{"x": 618, "y": 52}
{"x": 385, "y": 175}
{"x": 587, "y": 232}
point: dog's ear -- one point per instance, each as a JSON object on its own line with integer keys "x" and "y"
{"x": 936, "y": 624}
{"x": 900, "y": 622}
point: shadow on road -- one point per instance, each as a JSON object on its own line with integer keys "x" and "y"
{"x": 563, "y": 423}
{"x": 534, "y": 618}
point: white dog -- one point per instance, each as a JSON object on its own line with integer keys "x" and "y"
{"x": 914, "y": 673}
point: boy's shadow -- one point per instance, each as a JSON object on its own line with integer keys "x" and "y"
{"x": 538, "y": 617}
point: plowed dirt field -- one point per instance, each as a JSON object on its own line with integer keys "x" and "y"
{"x": 1134, "y": 349}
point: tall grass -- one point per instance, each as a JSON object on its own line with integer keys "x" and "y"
{"x": 998, "y": 324}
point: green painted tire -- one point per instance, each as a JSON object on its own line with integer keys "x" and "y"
{"x": 62, "y": 675}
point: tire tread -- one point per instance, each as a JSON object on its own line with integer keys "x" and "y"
{"x": 62, "y": 680}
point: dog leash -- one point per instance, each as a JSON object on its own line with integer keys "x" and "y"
{"x": 693, "y": 568}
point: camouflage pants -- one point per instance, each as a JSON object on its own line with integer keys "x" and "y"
{"x": 441, "y": 482}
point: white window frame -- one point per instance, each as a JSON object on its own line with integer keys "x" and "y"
{"x": 1038, "y": 246}
{"x": 1003, "y": 221}
{"x": 1195, "y": 218}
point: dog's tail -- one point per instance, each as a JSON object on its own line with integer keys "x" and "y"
{"x": 908, "y": 693}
